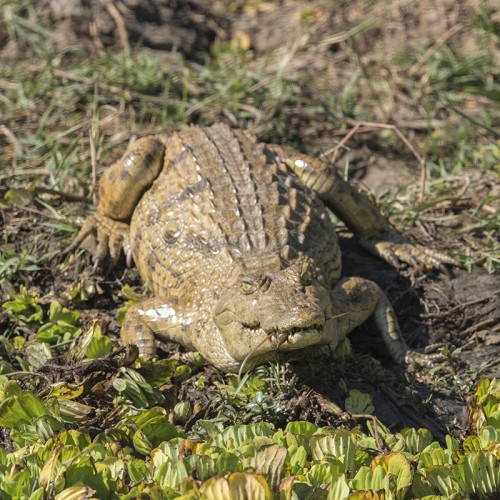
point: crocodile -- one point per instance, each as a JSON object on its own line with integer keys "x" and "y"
{"x": 234, "y": 239}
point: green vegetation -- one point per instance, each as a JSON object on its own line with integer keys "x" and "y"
{"x": 144, "y": 452}
{"x": 83, "y": 419}
{"x": 145, "y": 447}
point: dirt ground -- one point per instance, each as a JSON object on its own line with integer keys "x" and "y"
{"x": 460, "y": 309}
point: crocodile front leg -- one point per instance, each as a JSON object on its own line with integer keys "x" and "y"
{"x": 362, "y": 217}
{"x": 355, "y": 300}
{"x": 163, "y": 317}
{"x": 120, "y": 189}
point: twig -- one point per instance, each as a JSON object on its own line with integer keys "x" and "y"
{"x": 359, "y": 126}
{"x": 451, "y": 311}
{"x": 342, "y": 142}
{"x": 91, "y": 81}
{"x": 247, "y": 357}
{"x": 63, "y": 194}
{"x": 29, "y": 375}
{"x": 93, "y": 161}
{"x": 120, "y": 24}
{"x": 374, "y": 419}
{"x": 25, "y": 171}
{"x": 472, "y": 120}
{"x": 477, "y": 326}
{"x": 421, "y": 124}
{"x": 16, "y": 143}
{"x": 39, "y": 212}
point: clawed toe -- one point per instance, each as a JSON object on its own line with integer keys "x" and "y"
{"x": 95, "y": 265}
{"x": 89, "y": 227}
{"x": 128, "y": 256}
{"x": 112, "y": 238}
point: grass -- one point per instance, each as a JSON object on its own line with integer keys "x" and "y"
{"x": 67, "y": 111}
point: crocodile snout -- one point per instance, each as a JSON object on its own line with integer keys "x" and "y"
{"x": 298, "y": 317}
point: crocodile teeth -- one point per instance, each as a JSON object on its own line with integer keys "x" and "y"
{"x": 291, "y": 336}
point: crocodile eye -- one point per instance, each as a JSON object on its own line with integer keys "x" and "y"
{"x": 248, "y": 287}
{"x": 252, "y": 282}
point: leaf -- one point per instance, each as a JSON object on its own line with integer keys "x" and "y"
{"x": 298, "y": 458}
{"x": 494, "y": 419}
{"x": 73, "y": 437}
{"x": 170, "y": 474}
{"x": 397, "y": 465}
{"x": 236, "y": 435}
{"x": 484, "y": 408}
{"x": 134, "y": 387}
{"x": 19, "y": 197}
{"x": 47, "y": 472}
{"x": 368, "y": 479}
{"x": 61, "y": 315}
{"x": 97, "y": 478}
{"x": 82, "y": 341}
{"x": 158, "y": 372}
{"x": 436, "y": 456}
{"x": 320, "y": 474}
{"x": 83, "y": 290}
{"x": 37, "y": 354}
{"x": 64, "y": 390}
{"x": 100, "y": 345}
{"x": 47, "y": 427}
{"x": 239, "y": 485}
{"x": 440, "y": 478}
{"x": 182, "y": 412}
{"x": 24, "y": 307}
{"x": 17, "y": 486}
{"x": 482, "y": 391}
{"x": 227, "y": 462}
{"x": 340, "y": 445}
{"x": 338, "y": 489}
{"x": 54, "y": 333}
{"x": 153, "y": 431}
{"x": 73, "y": 412}
{"x": 359, "y": 403}
{"x": 205, "y": 467}
{"x": 61, "y": 326}
{"x": 489, "y": 436}
{"x": 414, "y": 441}
{"x": 478, "y": 473}
{"x": 19, "y": 409}
{"x": 367, "y": 495}
{"x": 301, "y": 427}
{"x": 75, "y": 493}
{"x": 210, "y": 428}
{"x": 268, "y": 460}
{"x": 137, "y": 471}
{"x": 69, "y": 451}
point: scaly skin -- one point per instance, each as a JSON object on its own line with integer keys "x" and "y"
{"x": 234, "y": 239}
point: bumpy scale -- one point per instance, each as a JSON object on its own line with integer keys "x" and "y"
{"x": 234, "y": 239}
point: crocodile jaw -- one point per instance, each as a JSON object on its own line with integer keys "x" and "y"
{"x": 303, "y": 338}
{"x": 252, "y": 345}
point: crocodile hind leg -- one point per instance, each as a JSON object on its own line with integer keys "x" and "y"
{"x": 362, "y": 217}
{"x": 355, "y": 300}
{"x": 120, "y": 189}
{"x": 164, "y": 317}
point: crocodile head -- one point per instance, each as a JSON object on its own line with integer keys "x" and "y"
{"x": 274, "y": 311}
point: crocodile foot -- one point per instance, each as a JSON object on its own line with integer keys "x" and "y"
{"x": 111, "y": 237}
{"x": 396, "y": 249}
{"x": 417, "y": 359}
